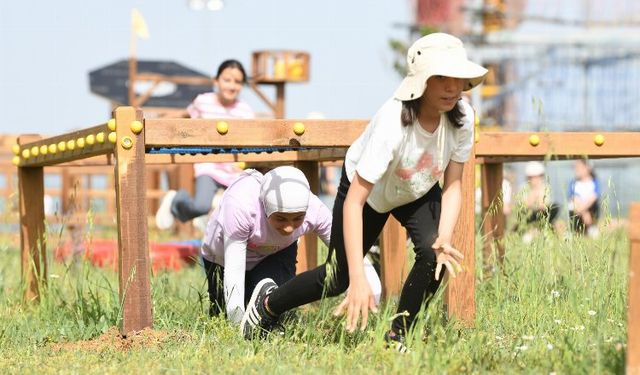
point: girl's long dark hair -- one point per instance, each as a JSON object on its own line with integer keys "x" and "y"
{"x": 411, "y": 111}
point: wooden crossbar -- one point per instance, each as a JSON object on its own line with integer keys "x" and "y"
{"x": 521, "y": 146}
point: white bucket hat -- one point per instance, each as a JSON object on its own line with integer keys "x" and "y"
{"x": 437, "y": 54}
{"x": 284, "y": 189}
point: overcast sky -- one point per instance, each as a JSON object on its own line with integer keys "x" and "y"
{"x": 47, "y": 49}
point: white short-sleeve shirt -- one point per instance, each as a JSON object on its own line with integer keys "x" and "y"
{"x": 405, "y": 162}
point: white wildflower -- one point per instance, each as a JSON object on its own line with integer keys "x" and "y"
{"x": 591, "y": 312}
{"x": 555, "y": 294}
{"x": 558, "y": 321}
{"x": 522, "y": 348}
{"x": 528, "y": 338}
{"x": 549, "y": 346}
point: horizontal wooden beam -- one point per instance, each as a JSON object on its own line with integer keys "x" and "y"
{"x": 95, "y": 141}
{"x": 522, "y": 146}
{"x": 252, "y": 133}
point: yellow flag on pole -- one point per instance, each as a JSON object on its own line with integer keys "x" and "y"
{"x": 138, "y": 24}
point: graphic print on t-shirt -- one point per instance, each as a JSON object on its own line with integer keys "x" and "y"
{"x": 417, "y": 171}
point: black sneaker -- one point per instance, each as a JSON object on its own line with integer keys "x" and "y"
{"x": 256, "y": 320}
{"x": 395, "y": 342}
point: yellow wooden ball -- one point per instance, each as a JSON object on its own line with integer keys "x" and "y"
{"x": 598, "y": 140}
{"x": 80, "y": 142}
{"x": 43, "y": 150}
{"x": 100, "y": 137}
{"x": 91, "y": 139}
{"x": 35, "y": 150}
{"x": 16, "y": 149}
{"x": 71, "y": 145}
{"x": 26, "y": 153}
{"x": 534, "y": 140}
{"x": 136, "y": 127}
{"x": 16, "y": 160}
{"x": 62, "y": 146}
{"x": 53, "y": 148}
{"x": 113, "y": 137}
{"x": 298, "y": 128}
{"x": 222, "y": 127}
{"x": 111, "y": 124}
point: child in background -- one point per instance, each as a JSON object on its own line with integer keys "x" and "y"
{"x": 539, "y": 208}
{"x": 584, "y": 196}
{"x": 223, "y": 103}
{"x": 420, "y": 136}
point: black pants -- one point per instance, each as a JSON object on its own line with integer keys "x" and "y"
{"x": 185, "y": 208}
{"x": 578, "y": 225}
{"x": 279, "y": 266}
{"x": 420, "y": 218}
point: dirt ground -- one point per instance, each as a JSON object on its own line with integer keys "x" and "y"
{"x": 111, "y": 340}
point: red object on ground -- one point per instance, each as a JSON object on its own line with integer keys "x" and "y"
{"x": 104, "y": 253}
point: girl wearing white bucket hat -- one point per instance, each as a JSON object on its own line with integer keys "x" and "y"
{"x": 423, "y": 134}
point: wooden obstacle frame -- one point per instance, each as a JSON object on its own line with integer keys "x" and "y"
{"x": 131, "y": 141}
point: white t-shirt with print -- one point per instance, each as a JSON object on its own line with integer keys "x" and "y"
{"x": 405, "y": 162}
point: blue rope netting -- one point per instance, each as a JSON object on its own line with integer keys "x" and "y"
{"x": 221, "y": 150}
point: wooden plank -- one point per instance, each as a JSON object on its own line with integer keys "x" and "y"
{"x": 460, "y": 294}
{"x": 393, "y": 258}
{"x": 32, "y": 230}
{"x": 308, "y": 244}
{"x": 133, "y": 247}
{"x": 279, "y": 111}
{"x": 633, "y": 312}
{"x": 183, "y": 177}
{"x": 574, "y": 144}
{"x": 97, "y": 148}
{"x": 492, "y": 214}
{"x": 252, "y": 133}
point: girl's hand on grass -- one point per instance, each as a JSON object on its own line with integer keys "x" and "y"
{"x": 448, "y": 256}
{"x": 359, "y": 301}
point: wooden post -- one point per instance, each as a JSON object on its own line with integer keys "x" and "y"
{"x": 633, "y": 313}
{"x": 492, "y": 213}
{"x": 308, "y": 244}
{"x": 393, "y": 257}
{"x": 460, "y": 295}
{"x": 70, "y": 205}
{"x": 133, "y": 247}
{"x": 182, "y": 177}
{"x": 279, "y": 105}
{"x": 153, "y": 183}
{"x": 32, "y": 230}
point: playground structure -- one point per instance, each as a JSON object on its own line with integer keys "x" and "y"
{"x": 134, "y": 143}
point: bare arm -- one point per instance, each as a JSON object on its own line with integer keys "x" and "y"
{"x": 451, "y": 200}
{"x": 447, "y": 255}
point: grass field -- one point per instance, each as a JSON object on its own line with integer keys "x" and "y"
{"x": 557, "y": 306}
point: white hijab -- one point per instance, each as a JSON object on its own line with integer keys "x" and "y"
{"x": 284, "y": 189}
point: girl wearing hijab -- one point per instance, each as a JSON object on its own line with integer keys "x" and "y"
{"x": 253, "y": 235}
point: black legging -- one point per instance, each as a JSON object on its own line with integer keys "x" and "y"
{"x": 420, "y": 218}
{"x": 279, "y": 266}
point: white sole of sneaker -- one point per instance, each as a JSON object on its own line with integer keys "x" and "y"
{"x": 164, "y": 218}
{"x": 252, "y": 301}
